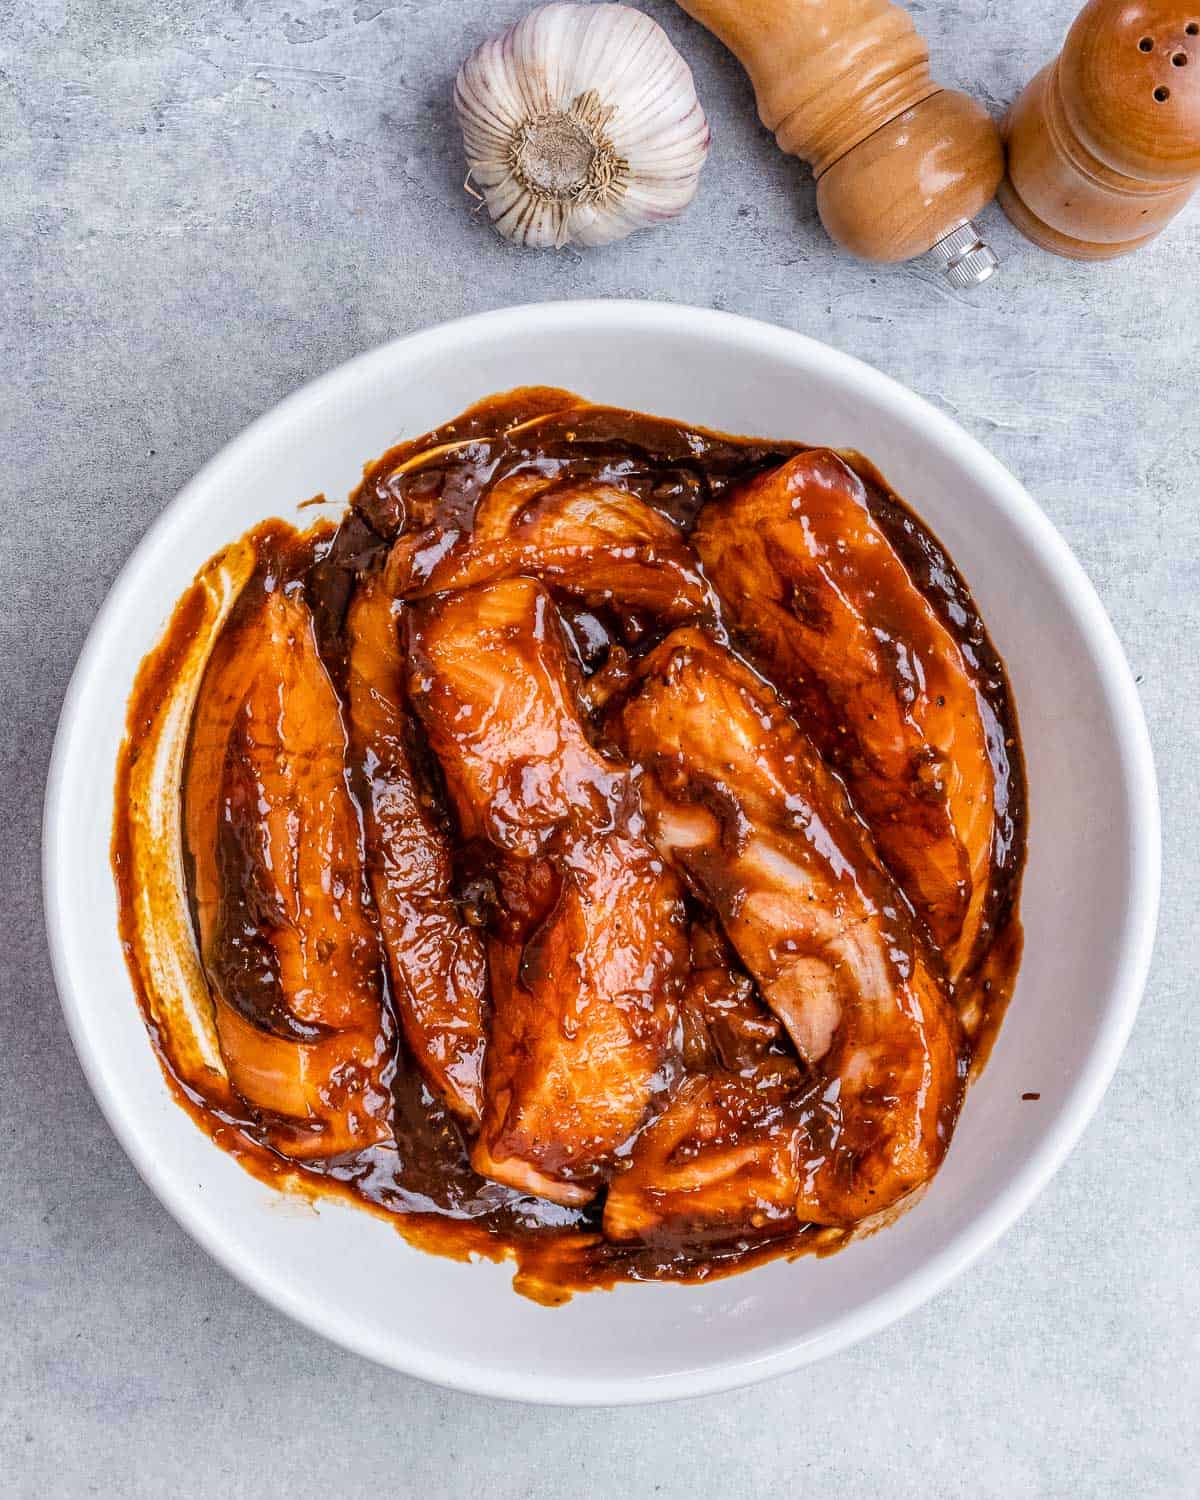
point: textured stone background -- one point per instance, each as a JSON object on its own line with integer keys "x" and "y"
{"x": 204, "y": 203}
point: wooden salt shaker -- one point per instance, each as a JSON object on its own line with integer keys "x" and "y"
{"x": 901, "y": 164}
{"x": 1104, "y": 144}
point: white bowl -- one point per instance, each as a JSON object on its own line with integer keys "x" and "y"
{"x": 1090, "y": 894}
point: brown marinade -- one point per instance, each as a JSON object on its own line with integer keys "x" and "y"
{"x": 722, "y": 1046}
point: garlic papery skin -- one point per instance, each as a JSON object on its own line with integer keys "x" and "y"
{"x": 581, "y": 124}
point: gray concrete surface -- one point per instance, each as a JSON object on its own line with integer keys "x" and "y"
{"x": 202, "y": 204}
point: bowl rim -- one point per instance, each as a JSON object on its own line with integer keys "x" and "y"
{"x": 1081, "y": 1099}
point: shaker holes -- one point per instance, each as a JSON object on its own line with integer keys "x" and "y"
{"x": 1162, "y": 93}
{"x": 1180, "y": 59}
{"x": 1146, "y": 44}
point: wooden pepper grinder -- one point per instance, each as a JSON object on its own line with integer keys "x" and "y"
{"x": 901, "y": 164}
{"x": 1104, "y": 144}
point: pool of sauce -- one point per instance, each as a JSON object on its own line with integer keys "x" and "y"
{"x": 422, "y": 1182}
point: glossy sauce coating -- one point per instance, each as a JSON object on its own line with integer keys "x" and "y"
{"x": 292, "y": 949}
{"x": 588, "y": 948}
{"x": 822, "y": 603}
{"x": 436, "y": 959}
{"x": 702, "y": 1074}
{"x": 737, "y": 797}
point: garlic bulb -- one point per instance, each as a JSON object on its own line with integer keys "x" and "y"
{"x": 581, "y": 124}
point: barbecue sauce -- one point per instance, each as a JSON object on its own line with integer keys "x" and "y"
{"x": 422, "y": 1181}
